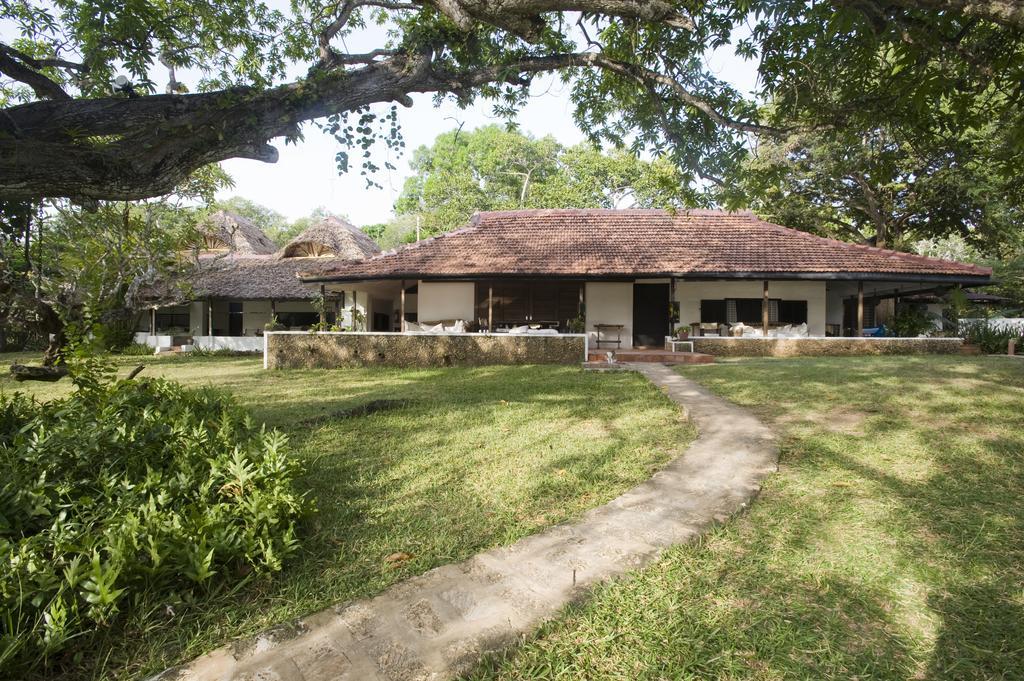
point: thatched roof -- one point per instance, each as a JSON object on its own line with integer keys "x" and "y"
{"x": 225, "y": 231}
{"x": 255, "y": 277}
{"x": 331, "y": 237}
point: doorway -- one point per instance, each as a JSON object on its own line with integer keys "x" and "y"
{"x": 235, "y": 319}
{"x": 650, "y": 315}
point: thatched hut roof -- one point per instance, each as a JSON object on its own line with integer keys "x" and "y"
{"x": 230, "y": 232}
{"x": 255, "y": 277}
{"x": 331, "y": 237}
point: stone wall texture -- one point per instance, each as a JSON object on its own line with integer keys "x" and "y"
{"x": 337, "y": 350}
{"x": 797, "y": 347}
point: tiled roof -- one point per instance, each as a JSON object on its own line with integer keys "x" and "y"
{"x": 609, "y": 243}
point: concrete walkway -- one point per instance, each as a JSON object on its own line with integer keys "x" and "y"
{"x": 438, "y": 625}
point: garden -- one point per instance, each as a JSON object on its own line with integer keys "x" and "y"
{"x": 146, "y": 521}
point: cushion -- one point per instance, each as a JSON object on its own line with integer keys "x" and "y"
{"x": 458, "y": 327}
{"x": 413, "y": 327}
{"x": 520, "y": 329}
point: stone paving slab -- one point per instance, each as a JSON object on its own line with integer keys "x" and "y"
{"x": 439, "y": 624}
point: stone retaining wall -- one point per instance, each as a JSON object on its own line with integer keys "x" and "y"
{"x": 300, "y": 350}
{"x": 796, "y": 347}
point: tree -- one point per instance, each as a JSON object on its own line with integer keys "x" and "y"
{"x": 91, "y": 271}
{"x": 492, "y": 168}
{"x": 638, "y": 71}
{"x": 876, "y": 186}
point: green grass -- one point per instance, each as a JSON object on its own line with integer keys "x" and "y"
{"x": 889, "y": 546}
{"x": 481, "y": 457}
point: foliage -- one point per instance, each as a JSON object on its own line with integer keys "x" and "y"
{"x": 529, "y": 447}
{"x": 492, "y": 168}
{"x": 135, "y": 350}
{"x": 911, "y": 321}
{"x": 61, "y": 263}
{"x": 130, "y": 492}
{"x": 991, "y": 338}
{"x": 879, "y": 185}
{"x": 639, "y": 72}
{"x": 274, "y": 325}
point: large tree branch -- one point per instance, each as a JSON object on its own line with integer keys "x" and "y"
{"x": 1008, "y": 13}
{"x": 13, "y": 64}
{"x": 524, "y": 17}
{"x": 126, "y": 149}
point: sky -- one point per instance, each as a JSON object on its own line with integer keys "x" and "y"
{"x": 305, "y": 176}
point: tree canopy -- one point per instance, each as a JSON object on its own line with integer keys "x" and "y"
{"x": 638, "y": 70}
{"x": 877, "y": 186}
{"x": 492, "y": 168}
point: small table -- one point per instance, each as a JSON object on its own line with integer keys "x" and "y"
{"x": 671, "y": 343}
{"x": 605, "y": 328}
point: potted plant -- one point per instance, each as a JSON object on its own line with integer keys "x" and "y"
{"x": 274, "y": 325}
{"x": 683, "y": 332}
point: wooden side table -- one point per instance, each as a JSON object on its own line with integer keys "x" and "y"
{"x": 605, "y": 329}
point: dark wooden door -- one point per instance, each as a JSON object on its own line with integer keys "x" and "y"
{"x": 650, "y": 314}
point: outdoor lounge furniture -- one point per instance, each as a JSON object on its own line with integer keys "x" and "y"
{"x": 603, "y": 331}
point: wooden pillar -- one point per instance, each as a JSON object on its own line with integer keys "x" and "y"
{"x": 401, "y": 309}
{"x": 490, "y": 308}
{"x": 273, "y": 310}
{"x": 152, "y": 321}
{"x": 209, "y": 316}
{"x": 355, "y": 294}
{"x": 323, "y": 304}
{"x": 860, "y": 309}
{"x": 764, "y": 310}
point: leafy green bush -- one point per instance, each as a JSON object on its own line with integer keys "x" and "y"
{"x": 218, "y": 352}
{"x": 135, "y": 349}
{"x": 911, "y": 322}
{"x": 128, "y": 491}
{"x": 991, "y": 339}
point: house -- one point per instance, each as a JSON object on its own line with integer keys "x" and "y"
{"x": 241, "y": 282}
{"x": 630, "y": 277}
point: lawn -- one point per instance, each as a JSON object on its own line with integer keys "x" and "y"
{"x": 889, "y": 546}
{"x": 475, "y": 459}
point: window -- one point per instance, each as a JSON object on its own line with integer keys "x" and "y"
{"x": 712, "y": 312}
{"x": 551, "y": 303}
{"x": 171, "y": 320}
{"x": 748, "y": 311}
{"x": 793, "y": 311}
{"x": 298, "y": 320}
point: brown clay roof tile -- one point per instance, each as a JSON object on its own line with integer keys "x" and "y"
{"x": 608, "y": 243}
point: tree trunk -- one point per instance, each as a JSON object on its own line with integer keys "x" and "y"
{"x": 53, "y": 327}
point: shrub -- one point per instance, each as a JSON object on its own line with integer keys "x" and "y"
{"x": 911, "y": 322}
{"x": 992, "y": 339}
{"x": 135, "y": 349}
{"x": 128, "y": 491}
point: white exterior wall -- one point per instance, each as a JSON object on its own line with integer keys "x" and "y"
{"x": 438, "y": 301}
{"x": 690, "y": 293}
{"x": 610, "y": 303}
